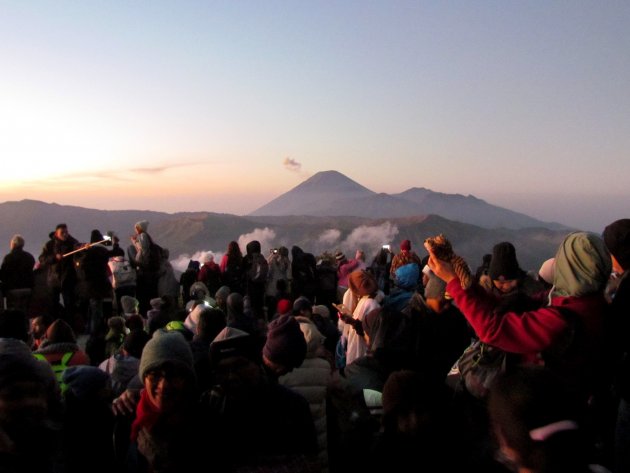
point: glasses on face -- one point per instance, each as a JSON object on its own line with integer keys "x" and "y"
{"x": 170, "y": 374}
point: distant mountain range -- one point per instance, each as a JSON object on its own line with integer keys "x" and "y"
{"x": 326, "y": 212}
{"x": 330, "y": 193}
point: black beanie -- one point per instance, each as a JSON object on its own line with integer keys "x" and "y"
{"x": 617, "y": 240}
{"x": 504, "y": 263}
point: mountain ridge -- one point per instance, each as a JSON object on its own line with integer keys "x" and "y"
{"x": 331, "y": 193}
{"x": 186, "y": 233}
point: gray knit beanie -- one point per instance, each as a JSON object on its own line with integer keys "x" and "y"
{"x": 165, "y": 347}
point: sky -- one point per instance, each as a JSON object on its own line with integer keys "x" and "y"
{"x": 222, "y": 106}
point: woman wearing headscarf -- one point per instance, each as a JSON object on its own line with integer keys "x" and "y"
{"x": 363, "y": 285}
{"x": 570, "y": 329}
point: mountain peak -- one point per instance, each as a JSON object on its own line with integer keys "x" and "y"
{"x": 331, "y": 180}
{"x": 317, "y": 195}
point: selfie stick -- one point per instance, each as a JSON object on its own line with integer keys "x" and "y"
{"x": 107, "y": 238}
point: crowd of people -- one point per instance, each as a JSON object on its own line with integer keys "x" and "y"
{"x": 293, "y": 362}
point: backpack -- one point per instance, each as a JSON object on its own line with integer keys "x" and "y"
{"x": 123, "y": 273}
{"x": 257, "y": 272}
{"x": 477, "y": 368}
{"x": 155, "y": 257}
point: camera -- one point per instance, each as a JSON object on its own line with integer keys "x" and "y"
{"x": 275, "y": 251}
{"x": 387, "y": 247}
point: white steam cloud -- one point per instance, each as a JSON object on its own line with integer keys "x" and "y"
{"x": 265, "y": 236}
{"x": 369, "y": 238}
{"x": 329, "y": 237}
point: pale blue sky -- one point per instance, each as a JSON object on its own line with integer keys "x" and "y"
{"x": 196, "y": 105}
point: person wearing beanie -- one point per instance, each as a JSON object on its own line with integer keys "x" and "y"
{"x": 168, "y": 430}
{"x": 582, "y": 269}
{"x": 145, "y": 255}
{"x": 513, "y": 288}
{"x": 504, "y": 270}
{"x": 31, "y": 410}
{"x": 115, "y": 335}
{"x": 60, "y": 349}
{"x": 260, "y": 421}
{"x": 85, "y": 382}
{"x": 344, "y": 268}
{"x": 406, "y": 256}
{"x": 130, "y": 305}
{"x": 302, "y": 306}
{"x": 123, "y": 365}
{"x": 406, "y": 281}
{"x": 285, "y": 347}
{"x": 284, "y": 307}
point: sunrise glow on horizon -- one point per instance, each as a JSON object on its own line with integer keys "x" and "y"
{"x": 224, "y": 106}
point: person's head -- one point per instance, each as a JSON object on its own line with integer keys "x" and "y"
{"x": 130, "y": 305}
{"x": 617, "y": 239}
{"x": 504, "y": 270}
{"x": 407, "y": 276}
{"x": 116, "y": 325}
{"x": 87, "y": 383}
{"x": 362, "y": 283}
{"x": 96, "y": 236}
{"x": 236, "y": 361}
{"x": 253, "y": 247}
{"x": 531, "y": 411}
{"x": 134, "y": 322}
{"x": 284, "y": 307}
{"x": 61, "y": 231}
{"x": 235, "y": 303}
{"x": 285, "y": 347}
{"x": 199, "y": 291}
{"x": 60, "y": 332}
{"x": 166, "y": 369}
{"x": 211, "y": 322}
{"x": 29, "y": 402}
{"x": 405, "y": 245}
{"x": 208, "y": 257}
{"x": 322, "y": 311}
{"x": 16, "y": 242}
{"x": 221, "y": 295}
{"x": 141, "y": 226}
{"x": 582, "y": 265}
{"x": 302, "y": 306}
{"x": 134, "y": 343}
{"x": 39, "y": 325}
{"x": 340, "y": 257}
{"x": 233, "y": 249}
